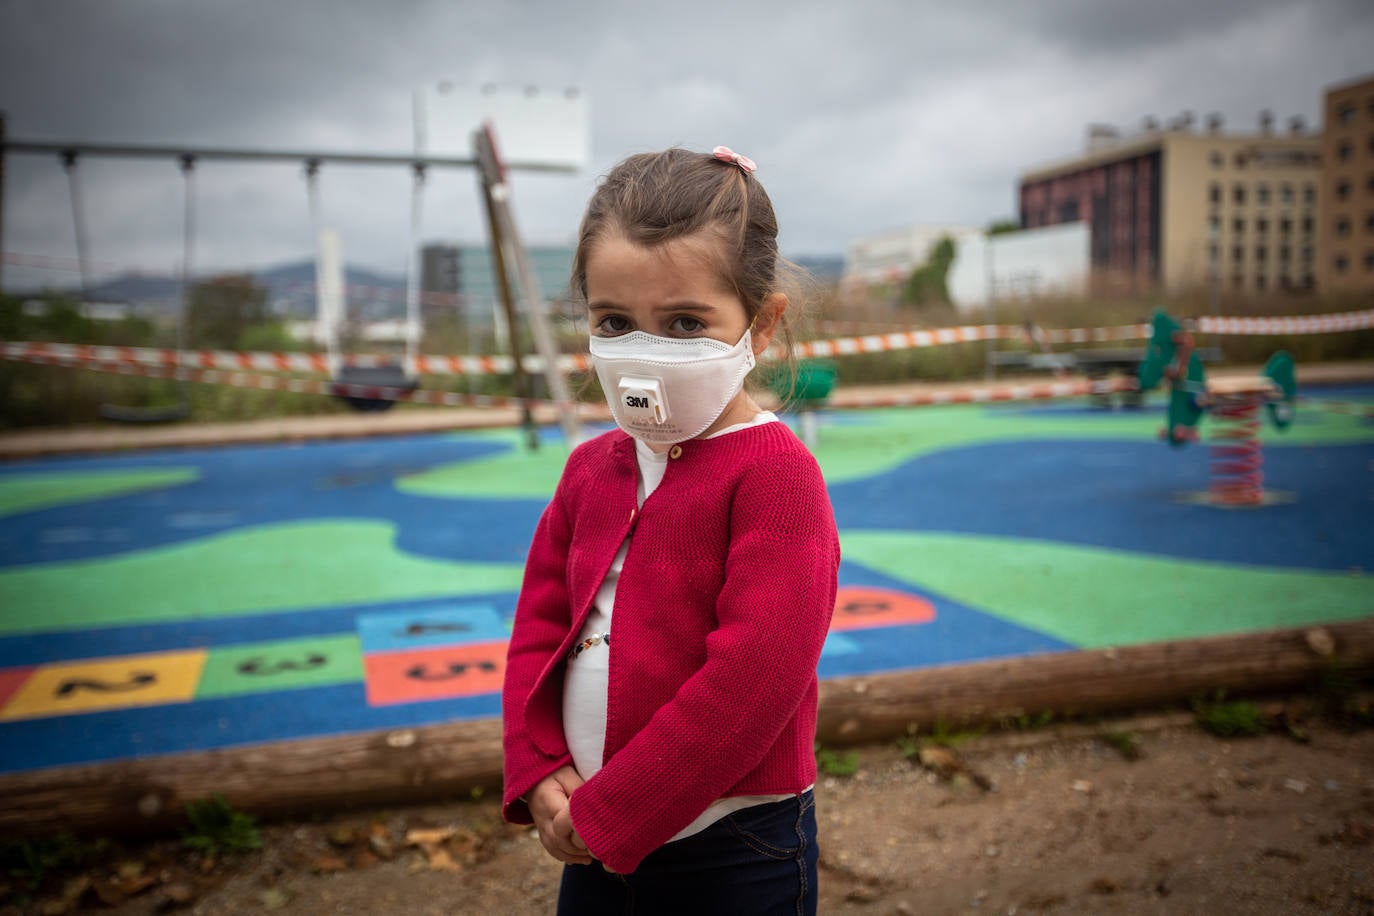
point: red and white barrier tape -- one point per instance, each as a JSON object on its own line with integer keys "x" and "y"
{"x": 990, "y": 394}
{"x": 842, "y": 346}
{"x": 278, "y": 383}
{"x": 279, "y": 362}
{"x": 238, "y": 379}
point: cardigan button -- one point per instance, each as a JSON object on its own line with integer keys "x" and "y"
{"x": 675, "y": 452}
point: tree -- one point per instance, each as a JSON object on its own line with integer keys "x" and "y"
{"x": 222, "y": 309}
{"x": 926, "y": 285}
{"x": 1002, "y": 226}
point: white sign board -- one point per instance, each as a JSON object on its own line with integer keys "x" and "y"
{"x": 533, "y": 126}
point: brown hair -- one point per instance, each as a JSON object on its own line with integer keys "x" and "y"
{"x": 654, "y": 198}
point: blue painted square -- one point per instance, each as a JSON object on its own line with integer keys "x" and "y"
{"x": 429, "y": 626}
{"x": 839, "y": 644}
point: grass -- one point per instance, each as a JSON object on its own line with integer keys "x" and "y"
{"x": 32, "y": 861}
{"x": 1230, "y": 718}
{"x": 836, "y": 763}
{"x": 217, "y": 829}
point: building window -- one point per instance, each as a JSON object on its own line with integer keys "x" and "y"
{"x": 1238, "y": 226}
{"x": 1240, "y": 160}
{"x": 1215, "y": 158}
{"x": 1237, "y": 282}
{"x": 1341, "y": 263}
{"x": 1238, "y": 194}
{"x": 1262, "y": 225}
{"x": 1346, "y": 114}
{"x": 1261, "y": 254}
{"x": 1285, "y": 226}
{"x": 1369, "y": 185}
{"x": 1307, "y": 224}
{"x": 1285, "y": 193}
{"x": 1284, "y": 254}
{"x": 1308, "y": 281}
{"x": 1345, "y": 150}
{"x": 1213, "y": 252}
{"x": 1369, "y": 261}
{"x": 1342, "y": 190}
{"x": 1238, "y": 254}
{"x": 1259, "y": 281}
{"x": 1214, "y": 193}
{"x": 1309, "y": 194}
{"x": 1307, "y": 254}
{"x": 1262, "y": 194}
{"x": 1342, "y": 227}
{"x": 1369, "y": 222}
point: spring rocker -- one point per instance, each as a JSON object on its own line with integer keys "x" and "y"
{"x": 1236, "y": 459}
{"x": 806, "y": 392}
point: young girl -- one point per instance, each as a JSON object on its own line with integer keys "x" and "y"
{"x": 660, "y": 696}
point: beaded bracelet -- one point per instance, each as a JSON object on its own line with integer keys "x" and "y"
{"x": 595, "y": 639}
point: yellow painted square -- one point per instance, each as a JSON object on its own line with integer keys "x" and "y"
{"x": 107, "y": 683}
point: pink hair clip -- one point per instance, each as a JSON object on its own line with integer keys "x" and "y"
{"x": 725, "y": 154}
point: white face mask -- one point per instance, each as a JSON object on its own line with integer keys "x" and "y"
{"x": 664, "y": 390}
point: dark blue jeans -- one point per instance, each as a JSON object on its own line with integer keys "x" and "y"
{"x": 759, "y": 860}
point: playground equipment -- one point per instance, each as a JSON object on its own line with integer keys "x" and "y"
{"x": 806, "y": 391}
{"x": 379, "y": 383}
{"x": 1236, "y": 451}
{"x": 116, "y": 412}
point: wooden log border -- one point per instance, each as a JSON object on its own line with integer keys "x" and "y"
{"x": 448, "y": 761}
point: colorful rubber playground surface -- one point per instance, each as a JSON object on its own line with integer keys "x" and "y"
{"x": 184, "y": 600}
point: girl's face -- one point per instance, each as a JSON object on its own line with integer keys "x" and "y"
{"x": 673, "y": 290}
{"x": 670, "y": 290}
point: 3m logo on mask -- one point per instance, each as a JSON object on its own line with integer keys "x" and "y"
{"x": 643, "y": 399}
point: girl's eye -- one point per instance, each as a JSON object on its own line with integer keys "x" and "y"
{"x": 686, "y": 324}
{"x": 612, "y": 325}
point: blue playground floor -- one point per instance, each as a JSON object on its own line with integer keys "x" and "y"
{"x": 172, "y": 601}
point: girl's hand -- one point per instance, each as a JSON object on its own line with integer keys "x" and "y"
{"x": 549, "y": 808}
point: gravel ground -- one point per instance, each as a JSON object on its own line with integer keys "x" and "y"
{"x": 1068, "y": 823}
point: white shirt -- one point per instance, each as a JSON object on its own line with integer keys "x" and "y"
{"x": 585, "y": 685}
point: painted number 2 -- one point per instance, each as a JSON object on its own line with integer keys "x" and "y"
{"x": 137, "y": 681}
{"x": 455, "y": 669}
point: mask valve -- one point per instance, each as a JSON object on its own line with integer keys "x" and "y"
{"x": 642, "y": 399}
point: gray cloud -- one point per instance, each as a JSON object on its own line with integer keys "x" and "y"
{"x": 862, "y": 116}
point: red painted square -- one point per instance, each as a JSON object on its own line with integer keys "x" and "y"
{"x": 861, "y": 608}
{"x": 11, "y": 679}
{"x": 434, "y": 674}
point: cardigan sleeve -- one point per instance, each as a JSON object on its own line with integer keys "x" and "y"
{"x": 542, "y": 620}
{"x": 772, "y": 618}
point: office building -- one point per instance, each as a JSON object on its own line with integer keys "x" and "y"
{"x": 1177, "y": 208}
{"x": 1345, "y": 238}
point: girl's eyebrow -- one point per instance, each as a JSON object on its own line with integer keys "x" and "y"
{"x": 687, "y": 305}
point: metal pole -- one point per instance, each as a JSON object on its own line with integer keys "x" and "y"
{"x": 412, "y": 272}
{"x": 990, "y": 369}
{"x": 2, "y": 200}
{"x": 529, "y": 286}
{"x": 498, "y": 266}
{"x": 188, "y": 165}
{"x": 78, "y": 221}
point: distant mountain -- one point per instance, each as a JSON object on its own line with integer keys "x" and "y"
{"x": 824, "y": 267}
{"x": 290, "y": 287}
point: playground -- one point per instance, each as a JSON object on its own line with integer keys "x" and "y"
{"x": 185, "y": 600}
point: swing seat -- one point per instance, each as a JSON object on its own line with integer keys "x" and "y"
{"x": 147, "y": 415}
{"x": 388, "y": 375}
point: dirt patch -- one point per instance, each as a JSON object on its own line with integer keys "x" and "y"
{"x": 1069, "y": 824}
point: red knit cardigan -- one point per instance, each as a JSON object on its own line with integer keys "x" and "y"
{"x": 721, "y": 610}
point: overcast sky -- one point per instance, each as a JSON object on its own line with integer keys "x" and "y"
{"x": 862, "y": 116}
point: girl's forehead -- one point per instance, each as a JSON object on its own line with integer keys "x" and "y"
{"x": 687, "y": 262}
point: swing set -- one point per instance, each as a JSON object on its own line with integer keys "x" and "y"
{"x": 365, "y": 386}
